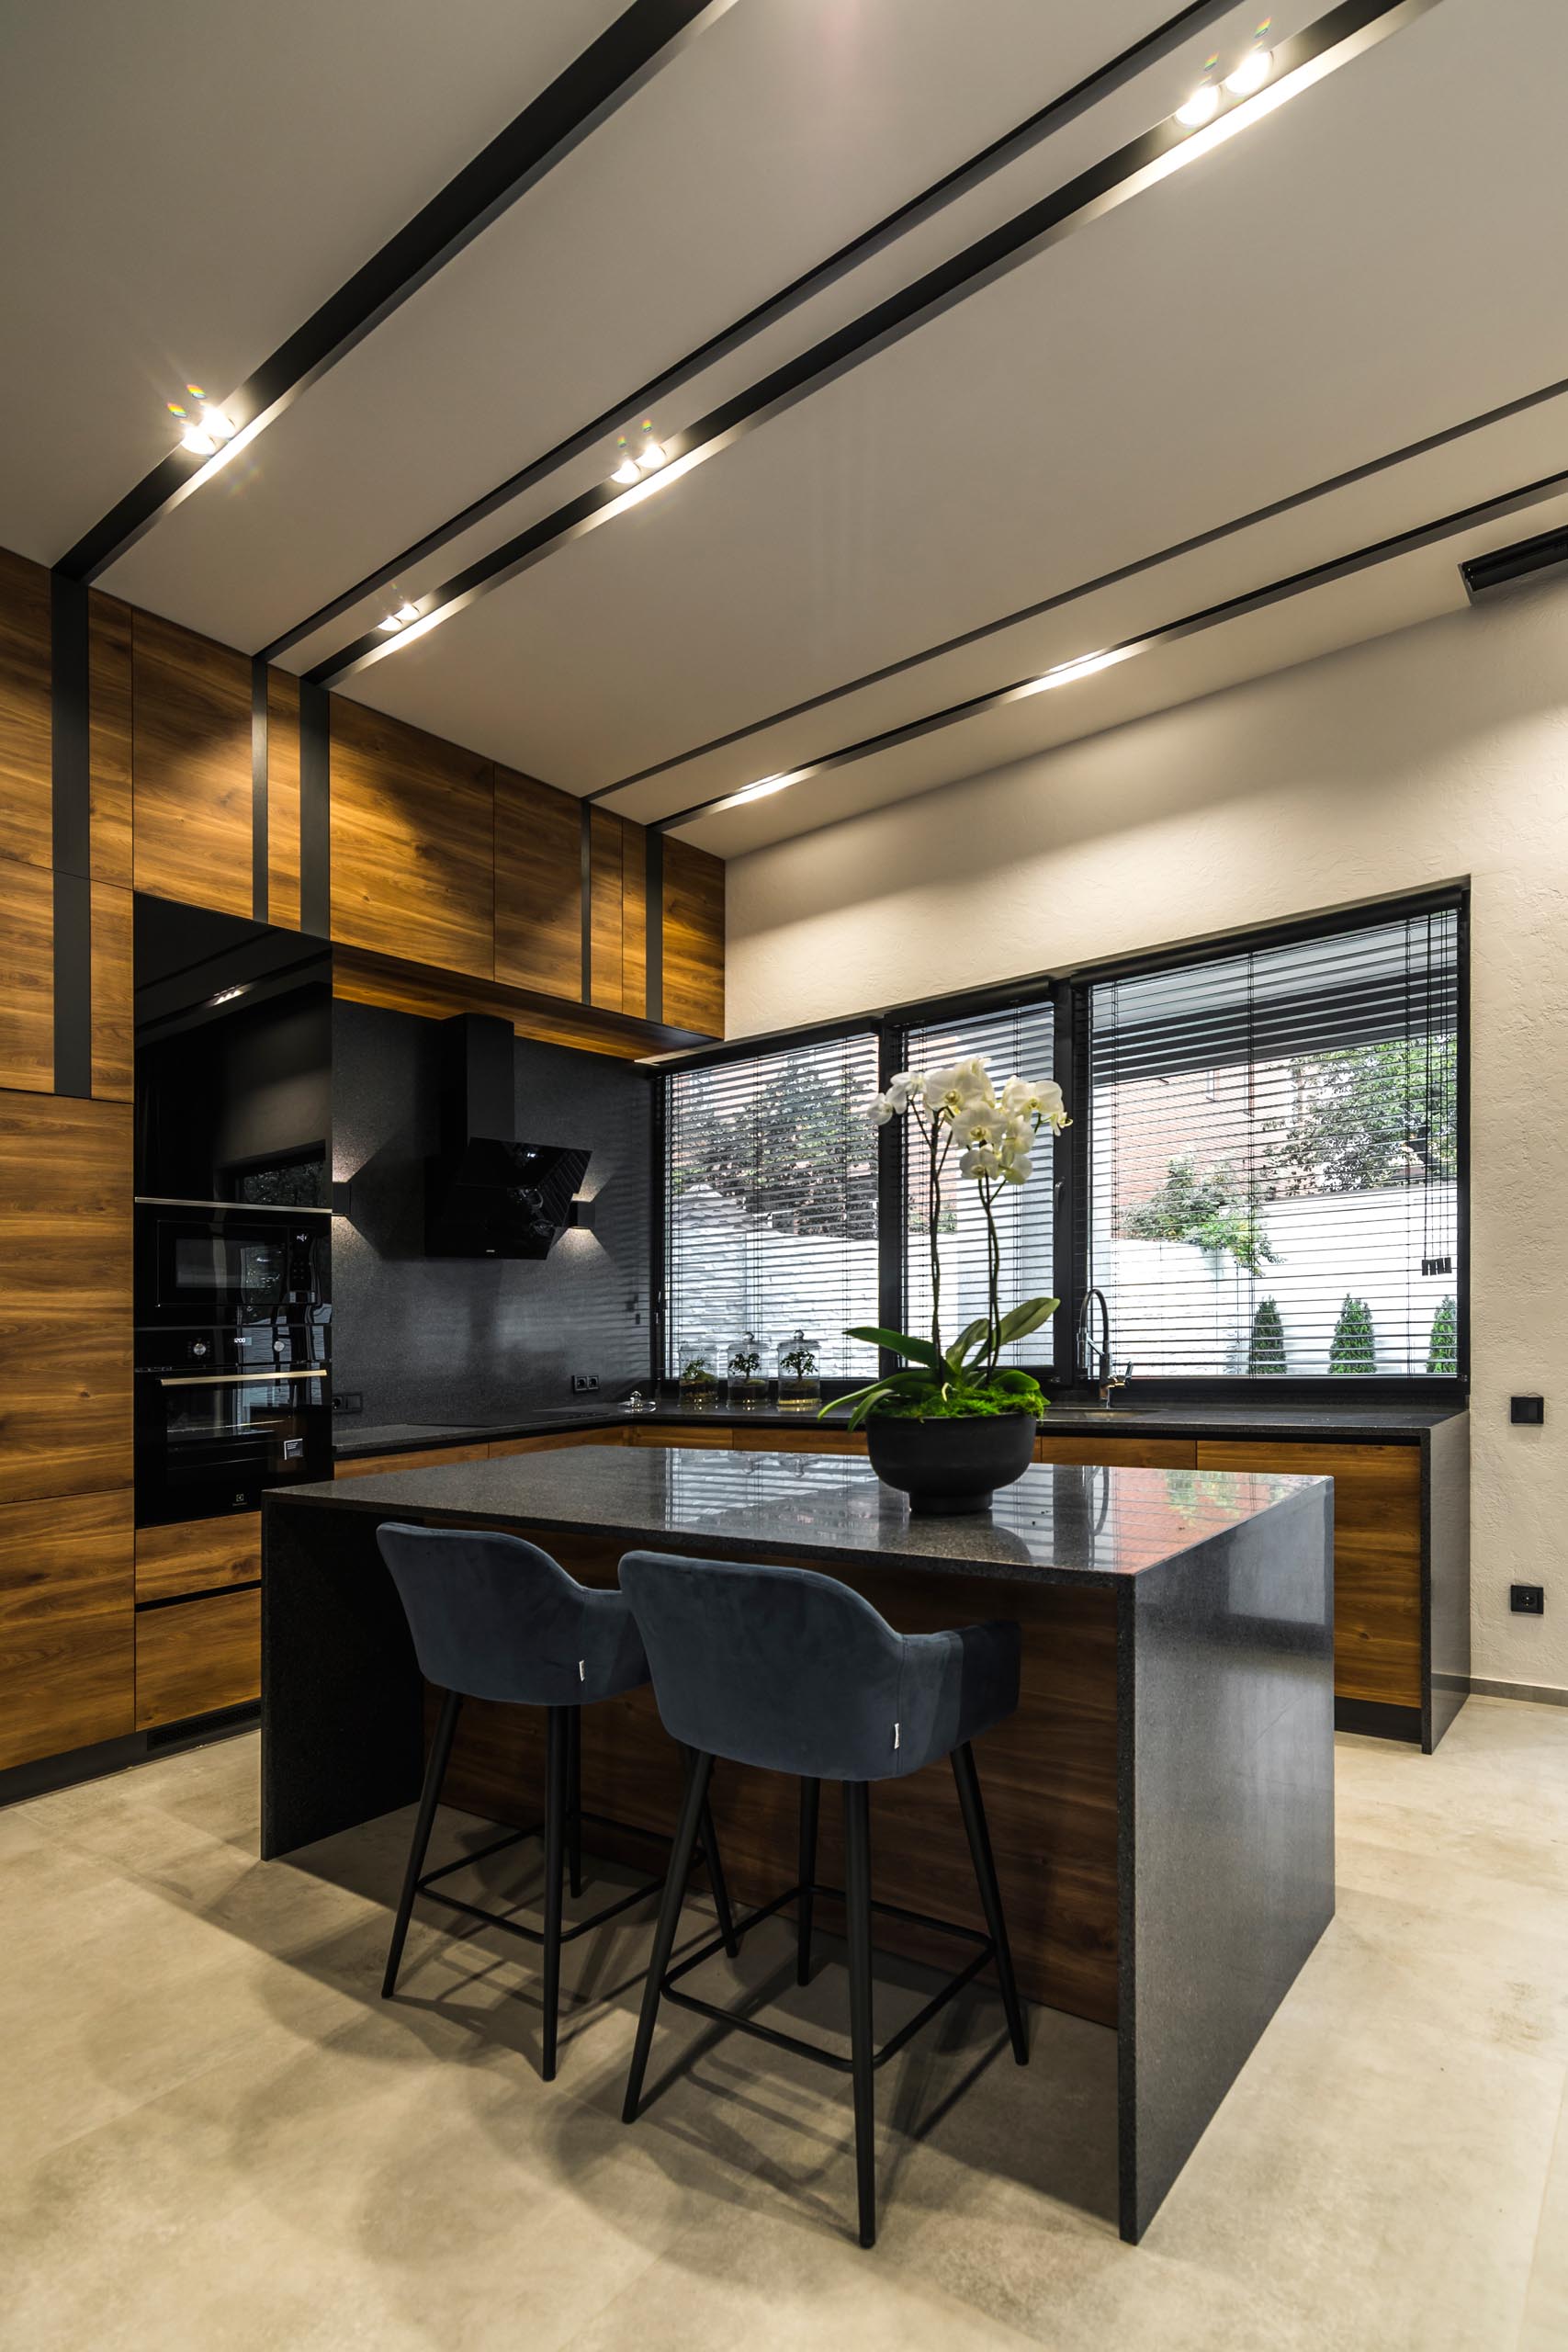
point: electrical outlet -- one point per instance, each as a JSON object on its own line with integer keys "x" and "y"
{"x": 584, "y": 1383}
{"x": 349, "y": 1400}
{"x": 1527, "y": 1599}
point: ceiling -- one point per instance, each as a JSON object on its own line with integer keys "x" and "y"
{"x": 1169, "y": 393}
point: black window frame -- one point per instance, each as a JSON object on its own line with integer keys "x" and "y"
{"x": 1068, "y": 991}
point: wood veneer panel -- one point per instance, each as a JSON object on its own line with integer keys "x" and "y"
{"x": 191, "y": 752}
{"x": 413, "y": 844}
{"x": 283, "y": 800}
{"x": 1048, "y": 1774}
{"x": 539, "y": 878}
{"x": 694, "y": 1435}
{"x": 26, "y": 976}
{"x": 109, "y": 744}
{"x": 114, "y": 1017}
{"x": 1376, "y": 1555}
{"x": 605, "y": 884}
{"x": 634, "y": 918}
{"x": 65, "y": 1268}
{"x": 67, "y": 1638}
{"x": 553, "y": 1444}
{"x": 1121, "y": 1452}
{"x": 360, "y": 979}
{"x": 197, "y": 1657}
{"x": 693, "y": 938}
{"x": 802, "y": 1441}
{"x": 371, "y": 1465}
{"x": 26, "y": 804}
{"x": 200, "y": 1556}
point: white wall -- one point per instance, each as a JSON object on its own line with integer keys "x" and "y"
{"x": 1415, "y": 759}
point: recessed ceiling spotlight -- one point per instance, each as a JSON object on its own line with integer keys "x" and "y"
{"x": 407, "y": 613}
{"x": 626, "y": 471}
{"x": 1252, "y": 72}
{"x": 651, "y": 456}
{"x": 647, "y": 459}
{"x": 201, "y": 434}
{"x": 227, "y": 996}
{"x": 1087, "y": 666}
{"x": 1200, "y": 107}
{"x": 390, "y": 625}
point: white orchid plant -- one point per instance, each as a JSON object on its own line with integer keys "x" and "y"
{"x": 994, "y": 1131}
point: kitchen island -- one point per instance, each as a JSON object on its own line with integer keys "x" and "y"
{"x": 1161, "y": 1804}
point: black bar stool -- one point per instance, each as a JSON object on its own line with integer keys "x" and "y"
{"x": 794, "y": 1672}
{"x": 493, "y": 1617}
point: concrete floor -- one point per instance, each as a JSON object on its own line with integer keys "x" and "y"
{"x": 215, "y": 2135}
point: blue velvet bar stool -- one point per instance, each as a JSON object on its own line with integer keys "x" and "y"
{"x": 794, "y": 1672}
{"x": 495, "y": 1617}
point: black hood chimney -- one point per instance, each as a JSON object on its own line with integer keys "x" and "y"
{"x": 487, "y": 1196}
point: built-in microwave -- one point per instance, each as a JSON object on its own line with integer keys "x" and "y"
{"x": 200, "y": 1264}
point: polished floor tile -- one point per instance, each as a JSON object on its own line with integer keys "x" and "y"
{"x": 217, "y": 2135}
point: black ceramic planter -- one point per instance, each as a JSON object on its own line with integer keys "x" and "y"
{"x": 951, "y": 1468}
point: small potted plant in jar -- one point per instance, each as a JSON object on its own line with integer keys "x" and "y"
{"x": 699, "y": 1380}
{"x": 748, "y": 1381}
{"x": 800, "y": 1383}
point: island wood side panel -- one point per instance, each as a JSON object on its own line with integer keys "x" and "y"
{"x": 1048, "y": 1775}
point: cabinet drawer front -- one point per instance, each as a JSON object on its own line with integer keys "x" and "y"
{"x": 802, "y": 1441}
{"x": 692, "y": 1436}
{"x": 67, "y": 1635}
{"x": 1121, "y": 1452}
{"x": 1376, "y": 1555}
{"x": 373, "y": 1465}
{"x": 553, "y": 1444}
{"x": 198, "y": 1656}
{"x": 202, "y": 1556}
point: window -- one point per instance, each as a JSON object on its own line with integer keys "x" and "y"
{"x": 770, "y": 1175}
{"x": 1016, "y": 1043}
{"x": 1273, "y": 1157}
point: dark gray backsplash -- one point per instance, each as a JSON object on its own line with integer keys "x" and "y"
{"x": 457, "y": 1340}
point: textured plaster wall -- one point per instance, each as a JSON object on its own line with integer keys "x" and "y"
{"x": 1420, "y": 758}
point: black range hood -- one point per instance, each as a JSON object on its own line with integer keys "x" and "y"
{"x": 487, "y": 1196}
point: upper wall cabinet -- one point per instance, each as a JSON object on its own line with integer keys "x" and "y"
{"x": 26, "y": 807}
{"x": 191, "y": 754}
{"x": 693, "y": 939}
{"x": 413, "y": 844}
{"x": 618, "y": 901}
{"x": 538, "y": 887}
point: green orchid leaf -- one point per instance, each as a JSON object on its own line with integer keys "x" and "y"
{"x": 965, "y": 1342}
{"x": 903, "y": 1343}
{"x": 1022, "y": 1320}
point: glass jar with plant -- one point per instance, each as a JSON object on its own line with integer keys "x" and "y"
{"x": 800, "y": 1383}
{"x": 747, "y": 1381}
{"x": 699, "y": 1380}
{"x": 953, "y": 1423}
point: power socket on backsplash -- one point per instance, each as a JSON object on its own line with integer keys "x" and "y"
{"x": 349, "y": 1400}
{"x": 584, "y": 1383}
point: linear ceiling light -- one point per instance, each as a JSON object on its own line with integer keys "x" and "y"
{"x": 1347, "y": 32}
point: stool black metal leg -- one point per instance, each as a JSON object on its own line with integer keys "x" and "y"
{"x": 973, "y": 1812}
{"x": 810, "y": 1804}
{"x": 863, "y": 2046}
{"x": 556, "y": 1774}
{"x": 428, "y": 1798}
{"x": 717, "y": 1882}
{"x": 692, "y": 1805}
{"x": 574, "y": 1798}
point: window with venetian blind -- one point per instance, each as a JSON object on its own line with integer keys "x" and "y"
{"x": 1273, "y": 1157}
{"x": 770, "y": 1188}
{"x": 1017, "y": 1042}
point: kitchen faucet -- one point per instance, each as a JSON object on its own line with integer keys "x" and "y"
{"x": 1097, "y": 1361}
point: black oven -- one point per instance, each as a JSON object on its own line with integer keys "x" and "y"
{"x": 233, "y": 1381}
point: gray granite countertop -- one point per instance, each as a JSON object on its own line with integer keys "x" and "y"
{"x": 1325, "y": 1423}
{"x": 1061, "y": 1524}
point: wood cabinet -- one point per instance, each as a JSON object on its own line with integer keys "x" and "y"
{"x": 554, "y": 1441}
{"x": 65, "y": 1407}
{"x": 191, "y": 800}
{"x": 1126, "y": 1453}
{"x": 618, "y": 899}
{"x": 283, "y": 800}
{"x": 809, "y": 1438}
{"x": 197, "y": 1658}
{"x": 200, "y": 1555}
{"x": 67, "y": 1637}
{"x": 1377, "y": 1556}
{"x": 688, "y": 1433}
{"x": 27, "y": 816}
{"x": 26, "y": 976}
{"x": 413, "y": 844}
{"x": 693, "y": 939}
{"x": 538, "y": 885}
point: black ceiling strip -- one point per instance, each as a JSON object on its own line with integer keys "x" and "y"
{"x": 1091, "y": 91}
{"x": 1209, "y": 617}
{"x": 610, "y": 71}
{"x": 1343, "y": 34}
{"x": 315, "y": 812}
{"x": 654, "y": 853}
{"x": 71, "y": 783}
{"x": 1124, "y": 571}
{"x": 258, "y": 792}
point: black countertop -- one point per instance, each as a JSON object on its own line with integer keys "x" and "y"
{"x": 1093, "y": 1525}
{"x": 1349, "y": 1424}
